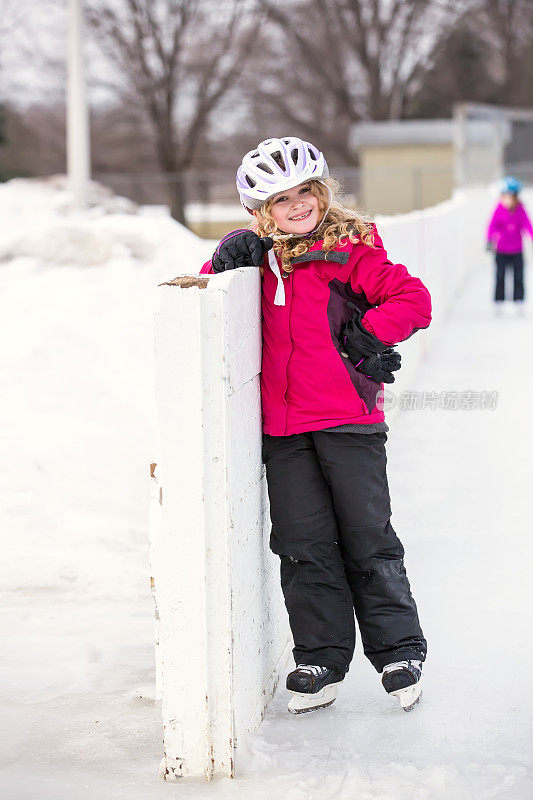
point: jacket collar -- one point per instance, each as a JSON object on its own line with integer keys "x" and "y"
{"x": 315, "y": 253}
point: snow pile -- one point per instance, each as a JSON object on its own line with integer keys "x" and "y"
{"x": 37, "y": 221}
{"x": 77, "y": 378}
{"x": 76, "y": 399}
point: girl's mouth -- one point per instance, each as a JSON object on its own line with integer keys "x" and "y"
{"x": 300, "y": 217}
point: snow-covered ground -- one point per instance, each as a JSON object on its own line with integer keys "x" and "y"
{"x": 219, "y": 212}
{"x": 78, "y": 717}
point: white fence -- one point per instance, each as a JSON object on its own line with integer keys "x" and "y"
{"x": 222, "y": 631}
{"x": 439, "y": 245}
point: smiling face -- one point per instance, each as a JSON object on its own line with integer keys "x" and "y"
{"x": 296, "y": 210}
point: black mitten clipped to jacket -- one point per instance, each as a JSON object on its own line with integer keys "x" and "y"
{"x": 370, "y": 356}
{"x": 244, "y": 249}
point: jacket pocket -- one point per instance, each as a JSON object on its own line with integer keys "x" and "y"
{"x": 367, "y": 389}
{"x": 348, "y": 383}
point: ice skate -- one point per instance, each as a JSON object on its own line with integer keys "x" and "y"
{"x": 312, "y": 687}
{"x": 402, "y": 679}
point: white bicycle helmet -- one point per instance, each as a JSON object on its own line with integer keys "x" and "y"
{"x": 276, "y": 165}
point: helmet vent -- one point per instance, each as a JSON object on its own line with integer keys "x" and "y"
{"x": 265, "y": 168}
{"x": 250, "y": 181}
{"x": 278, "y": 158}
{"x": 294, "y": 155}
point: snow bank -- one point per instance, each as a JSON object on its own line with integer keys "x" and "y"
{"x": 37, "y": 221}
{"x": 76, "y": 399}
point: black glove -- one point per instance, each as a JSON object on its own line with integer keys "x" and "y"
{"x": 370, "y": 356}
{"x": 379, "y": 368}
{"x": 245, "y": 249}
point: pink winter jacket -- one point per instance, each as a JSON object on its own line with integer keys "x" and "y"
{"x": 505, "y": 228}
{"x": 306, "y": 384}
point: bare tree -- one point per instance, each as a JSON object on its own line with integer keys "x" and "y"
{"x": 357, "y": 58}
{"x": 509, "y": 25}
{"x": 27, "y": 73}
{"x": 178, "y": 58}
{"x": 461, "y": 69}
{"x": 34, "y": 141}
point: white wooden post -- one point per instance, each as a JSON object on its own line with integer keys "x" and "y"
{"x": 78, "y": 148}
{"x": 222, "y": 632}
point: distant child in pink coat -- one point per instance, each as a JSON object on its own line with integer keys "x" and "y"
{"x": 504, "y": 236}
{"x": 333, "y": 308}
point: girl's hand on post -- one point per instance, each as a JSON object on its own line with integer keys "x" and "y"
{"x": 245, "y": 249}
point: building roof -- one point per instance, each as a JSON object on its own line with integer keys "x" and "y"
{"x": 417, "y": 131}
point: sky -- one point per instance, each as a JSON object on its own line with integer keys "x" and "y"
{"x": 33, "y": 54}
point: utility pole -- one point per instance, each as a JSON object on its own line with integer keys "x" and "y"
{"x": 459, "y": 144}
{"x": 78, "y": 148}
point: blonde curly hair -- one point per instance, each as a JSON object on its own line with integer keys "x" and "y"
{"x": 339, "y": 224}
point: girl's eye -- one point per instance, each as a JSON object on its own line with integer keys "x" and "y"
{"x": 280, "y": 200}
{"x": 305, "y": 189}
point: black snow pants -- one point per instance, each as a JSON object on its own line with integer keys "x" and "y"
{"x": 330, "y": 513}
{"x": 516, "y": 261}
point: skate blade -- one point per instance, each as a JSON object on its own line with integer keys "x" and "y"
{"x": 301, "y": 702}
{"x": 409, "y": 697}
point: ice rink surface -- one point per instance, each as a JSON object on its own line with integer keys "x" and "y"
{"x": 78, "y": 717}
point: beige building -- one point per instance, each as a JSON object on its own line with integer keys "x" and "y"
{"x": 405, "y": 165}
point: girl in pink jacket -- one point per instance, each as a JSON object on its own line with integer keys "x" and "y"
{"x": 333, "y": 307}
{"x": 504, "y": 235}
